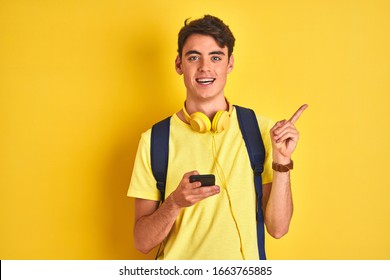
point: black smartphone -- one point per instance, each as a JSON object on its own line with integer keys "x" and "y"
{"x": 206, "y": 179}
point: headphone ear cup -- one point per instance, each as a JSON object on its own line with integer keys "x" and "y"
{"x": 221, "y": 121}
{"x": 200, "y": 122}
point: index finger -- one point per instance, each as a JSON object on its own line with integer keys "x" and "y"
{"x": 298, "y": 113}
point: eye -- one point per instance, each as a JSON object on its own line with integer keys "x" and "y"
{"x": 216, "y": 58}
{"x": 193, "y": 58}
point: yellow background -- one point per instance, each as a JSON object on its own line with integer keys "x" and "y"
{"x": 80, "y": 80}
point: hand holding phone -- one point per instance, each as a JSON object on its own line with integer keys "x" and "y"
{"x": 206, "y": 179}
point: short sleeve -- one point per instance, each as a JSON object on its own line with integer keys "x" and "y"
{"x": 142, "y": 183}
{"x": 265, "y": 127}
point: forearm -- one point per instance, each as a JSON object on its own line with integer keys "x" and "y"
{"x": 279, "y": 208}
{"x": 151, "y": 230}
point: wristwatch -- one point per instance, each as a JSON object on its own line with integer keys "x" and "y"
{"x": 281, "y": 167}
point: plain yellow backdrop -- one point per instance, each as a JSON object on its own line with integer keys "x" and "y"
{"x": 81, "y": 80}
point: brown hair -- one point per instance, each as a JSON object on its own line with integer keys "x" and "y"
{"x": 208, "y": 25}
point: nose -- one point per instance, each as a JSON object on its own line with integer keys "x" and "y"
{"x": 204, "y": 65}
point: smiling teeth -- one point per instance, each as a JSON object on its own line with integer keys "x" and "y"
{"x": 205, "y": 81}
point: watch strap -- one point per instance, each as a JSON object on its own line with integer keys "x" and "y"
{"x": 282, "y": 167}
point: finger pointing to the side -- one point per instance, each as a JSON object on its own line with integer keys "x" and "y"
{"x": 298, "y": 113}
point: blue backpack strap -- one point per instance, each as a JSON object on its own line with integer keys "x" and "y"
{"x": 159, "y": 150}
{"x": 254, "y": 143}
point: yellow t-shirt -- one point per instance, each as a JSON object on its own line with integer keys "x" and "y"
{"x": 216, "y": 227}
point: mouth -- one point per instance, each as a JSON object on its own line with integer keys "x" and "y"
{"x": 205, "y": 81}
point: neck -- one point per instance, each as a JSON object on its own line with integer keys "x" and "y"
{"x": 209, "y": 107}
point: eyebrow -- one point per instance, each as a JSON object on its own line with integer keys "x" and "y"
{"x": 197, "y": 52}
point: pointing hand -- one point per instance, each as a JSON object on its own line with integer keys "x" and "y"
{"x": 284, "y": 136}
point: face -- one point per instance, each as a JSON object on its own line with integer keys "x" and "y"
{"x": 204, "y": 66}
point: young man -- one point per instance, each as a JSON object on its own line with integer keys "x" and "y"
{"x": 211, "y": 222}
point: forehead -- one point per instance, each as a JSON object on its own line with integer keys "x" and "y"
{"x": 202, "y": 44}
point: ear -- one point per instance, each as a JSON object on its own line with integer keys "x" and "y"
{"x": 230, "y": 63}
{"x": 178, "y": 65}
